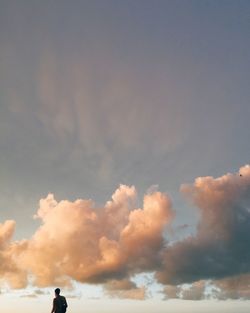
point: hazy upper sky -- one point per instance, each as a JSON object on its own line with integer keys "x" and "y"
{"x": 151, "y": 94}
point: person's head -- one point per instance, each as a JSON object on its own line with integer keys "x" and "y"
{"x": 57, "y": 291}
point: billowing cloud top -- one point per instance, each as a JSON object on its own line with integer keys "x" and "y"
{"x": 77, "y": 241}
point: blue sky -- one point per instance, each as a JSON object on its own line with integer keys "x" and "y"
{"x": 94, "y": 94}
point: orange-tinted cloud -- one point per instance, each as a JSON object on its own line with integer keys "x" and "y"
{"x": 78, "y": 241}
{"x": 9, "y": 253}
{"x": 109, "y": 244}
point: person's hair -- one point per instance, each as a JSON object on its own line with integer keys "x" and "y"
{"x": 57, "y": 291}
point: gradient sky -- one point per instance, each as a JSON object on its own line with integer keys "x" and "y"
{"x": 151, "y": 94}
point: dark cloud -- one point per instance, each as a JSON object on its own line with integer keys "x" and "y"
{"x": 220, "y": 247}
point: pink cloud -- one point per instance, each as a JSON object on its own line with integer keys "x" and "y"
{"x": 78, "y": 241}
{"x": 109, "y": 244}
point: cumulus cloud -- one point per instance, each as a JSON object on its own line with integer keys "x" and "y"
{"x": 109, "y": 244}
{"x": 220, "y": 247}
{"x": 87, "y": 244}
{"x": 9, "y": 251}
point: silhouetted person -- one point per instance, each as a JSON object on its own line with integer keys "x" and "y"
{"x": 59, "y": 303}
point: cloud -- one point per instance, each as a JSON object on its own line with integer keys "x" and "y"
{"x": 94, "y": 245}
{"x": 220, "y": 247}
{"x": 41, "y": 292}
{"x": 71, "y": 296}
{"x": 70, "y": 110}
{"x": 236, "y": 287}
{"x": 71, "y": 105}
{"x": 124, "y": 289}
{"x": 171, "y": 291}
{"x": 108, "y": 245}
{"x": 6, "y": 232}
{"x": 30, "y": 295}
{"x": 9, "y": 270}
{"x": 195, "y": 291}
{"x": 35, "y": 293}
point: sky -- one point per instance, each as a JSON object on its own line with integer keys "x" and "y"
{"x": 124, "y": 155}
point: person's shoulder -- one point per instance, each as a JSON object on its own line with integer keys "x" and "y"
{"x": 62, "y": 298}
